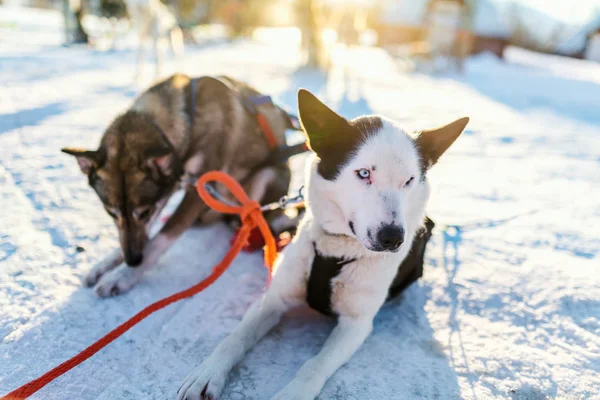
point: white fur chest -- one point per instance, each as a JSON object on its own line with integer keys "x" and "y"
{"x": 362, "y": 286}
{"x": 357, "y": 288}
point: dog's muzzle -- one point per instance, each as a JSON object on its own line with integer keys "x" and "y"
{"x": 390, "y": 237}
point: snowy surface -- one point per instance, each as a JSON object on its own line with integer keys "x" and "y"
{"x": 510, "y": 303}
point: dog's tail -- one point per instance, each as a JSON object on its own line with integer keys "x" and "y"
{"x": 177, "y": 41}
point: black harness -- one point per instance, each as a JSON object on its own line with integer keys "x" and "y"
{"x": 322, "y": 272}
{"x": 324, "y": 269}
{"x": 192, "y": 106}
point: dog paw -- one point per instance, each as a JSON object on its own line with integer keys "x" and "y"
{"x": 92, "y": 277}
{"x": 118, "y": 281}
{"x": 204, "y": 383}
{"x": 107, "y": 264}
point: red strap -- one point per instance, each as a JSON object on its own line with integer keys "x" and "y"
{"x": 263, "y": 122}
{"x": 251, "y": 216}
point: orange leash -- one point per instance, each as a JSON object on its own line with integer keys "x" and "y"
{"x": 251, "y": 217}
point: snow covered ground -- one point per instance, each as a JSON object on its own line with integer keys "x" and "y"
{"x": 510, "y": 303}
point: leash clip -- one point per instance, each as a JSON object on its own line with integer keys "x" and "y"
{"x": 282, "y": 203}
{"x": 285, "y": 202}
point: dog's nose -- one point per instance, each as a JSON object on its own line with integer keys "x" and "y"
{"x": 390, "y": 237}
{"x": 133, "y": 260}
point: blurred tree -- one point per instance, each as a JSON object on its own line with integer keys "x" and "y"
{"x": 81, "y": 35}
{"x": 241, "y": 15}
{"x": 238, "y": 17}
{"x": 68, "y": 19}
{"x": 312, "y": 45}
{"x": 73, "y": 11}
{"x": 248, "y": 15}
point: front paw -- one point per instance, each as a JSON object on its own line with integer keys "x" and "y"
{"x": 204, "y": 383}
{"x": 109, "y": 263}
{"x": 93, "y": 276}
{"x": 118, "y": 281}
{"x": 296, "y": 391}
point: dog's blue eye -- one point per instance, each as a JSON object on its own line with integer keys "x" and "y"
{"x": 363, "y": 173}
{"x": 408, "y": 182}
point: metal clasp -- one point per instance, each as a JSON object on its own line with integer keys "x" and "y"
{"x": 286, "y": 202}
{"x": 283, "y": 202}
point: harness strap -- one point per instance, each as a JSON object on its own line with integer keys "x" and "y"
{"x": 279, "y": 153}
{"x": 319, "y": 286}
{"x": 265, "y": 127}
{"x": 251, "y": 103}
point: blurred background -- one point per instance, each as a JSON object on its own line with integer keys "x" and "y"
{"x": 509, "y": 306}
{"x": 423, "y": 33}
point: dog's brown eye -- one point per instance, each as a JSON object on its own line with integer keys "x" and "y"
{"x": 143, "y": 214}
{"x": 408, "y": 182}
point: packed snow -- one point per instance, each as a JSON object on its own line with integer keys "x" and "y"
{"x": 509, "y": 306}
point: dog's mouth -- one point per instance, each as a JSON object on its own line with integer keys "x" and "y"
{"x": 380, "y": 249}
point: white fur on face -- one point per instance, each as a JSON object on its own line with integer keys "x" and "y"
{"x": 361, "y": 207}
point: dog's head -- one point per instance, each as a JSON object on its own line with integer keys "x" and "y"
{"x": 369, "y": 177}
{"x": 134, "y": 171}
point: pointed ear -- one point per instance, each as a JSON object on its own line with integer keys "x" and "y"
{"x": 320, "y": 123}
{"x": 87, "y": 159}
{"x": 161, "y": 159}
{"x": 432, "y": 143}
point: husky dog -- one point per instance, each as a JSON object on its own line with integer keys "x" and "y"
{"x": 176, "y": 130}
{"x": 153, "y": 20}
{"x": 367, "y": 192}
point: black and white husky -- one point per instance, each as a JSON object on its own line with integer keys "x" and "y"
{"x": 367, "y": 192}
